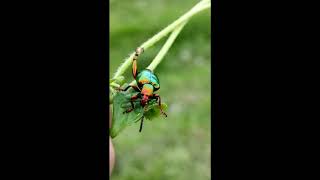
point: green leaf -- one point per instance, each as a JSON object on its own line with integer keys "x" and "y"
{"x": 153, "y": 110}
{"x": 121, "y": 102}
{"x": 119, "y": 119}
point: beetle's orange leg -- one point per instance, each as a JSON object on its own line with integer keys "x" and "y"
{"x": 157, "y": 96}
{"x": 134, "y": 97}
{"x": 134, "y": 62}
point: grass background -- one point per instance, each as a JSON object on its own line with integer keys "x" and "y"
{"x": 177, "y": 147}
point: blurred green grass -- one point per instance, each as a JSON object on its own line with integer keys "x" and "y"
{"x": 177, "y": 147}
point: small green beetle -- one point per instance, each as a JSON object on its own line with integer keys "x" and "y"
{"x": 147, "y": 84}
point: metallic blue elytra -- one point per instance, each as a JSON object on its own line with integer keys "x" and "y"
{"x": 146, "y": 76}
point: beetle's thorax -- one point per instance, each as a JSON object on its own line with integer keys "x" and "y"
{"x": 146, "y": 92}
{"x": 147, "y": 89}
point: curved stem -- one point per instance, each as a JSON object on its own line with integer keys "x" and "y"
{"x": 202, "y": 5}
{"x": 156, "y": 61}
{"x": 166, "y": 47}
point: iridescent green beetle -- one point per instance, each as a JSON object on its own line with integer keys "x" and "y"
{"x": 147, "y": 84}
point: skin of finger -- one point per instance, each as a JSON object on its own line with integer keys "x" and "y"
{"x": 111, "y": 156}
{"x": 111, "y": 150}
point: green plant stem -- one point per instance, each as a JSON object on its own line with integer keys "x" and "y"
{"x": 202, "y": 5}
{"x": 156, "y": 61}
{"x": 166, "y": 46}
{"x": 196, "y": 9}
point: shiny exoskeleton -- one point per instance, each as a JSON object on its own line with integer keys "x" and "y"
{"x": 147, "y": 83}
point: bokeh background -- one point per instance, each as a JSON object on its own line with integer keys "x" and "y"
{"x": 177, "y": 147}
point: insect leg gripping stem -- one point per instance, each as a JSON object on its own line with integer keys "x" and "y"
{"x": 159, "y": 102}
{"x": 134, "y": 97}
{"x": 134, "y": 61}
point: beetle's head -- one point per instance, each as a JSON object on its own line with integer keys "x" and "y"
{"x": 144, "y": 100}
